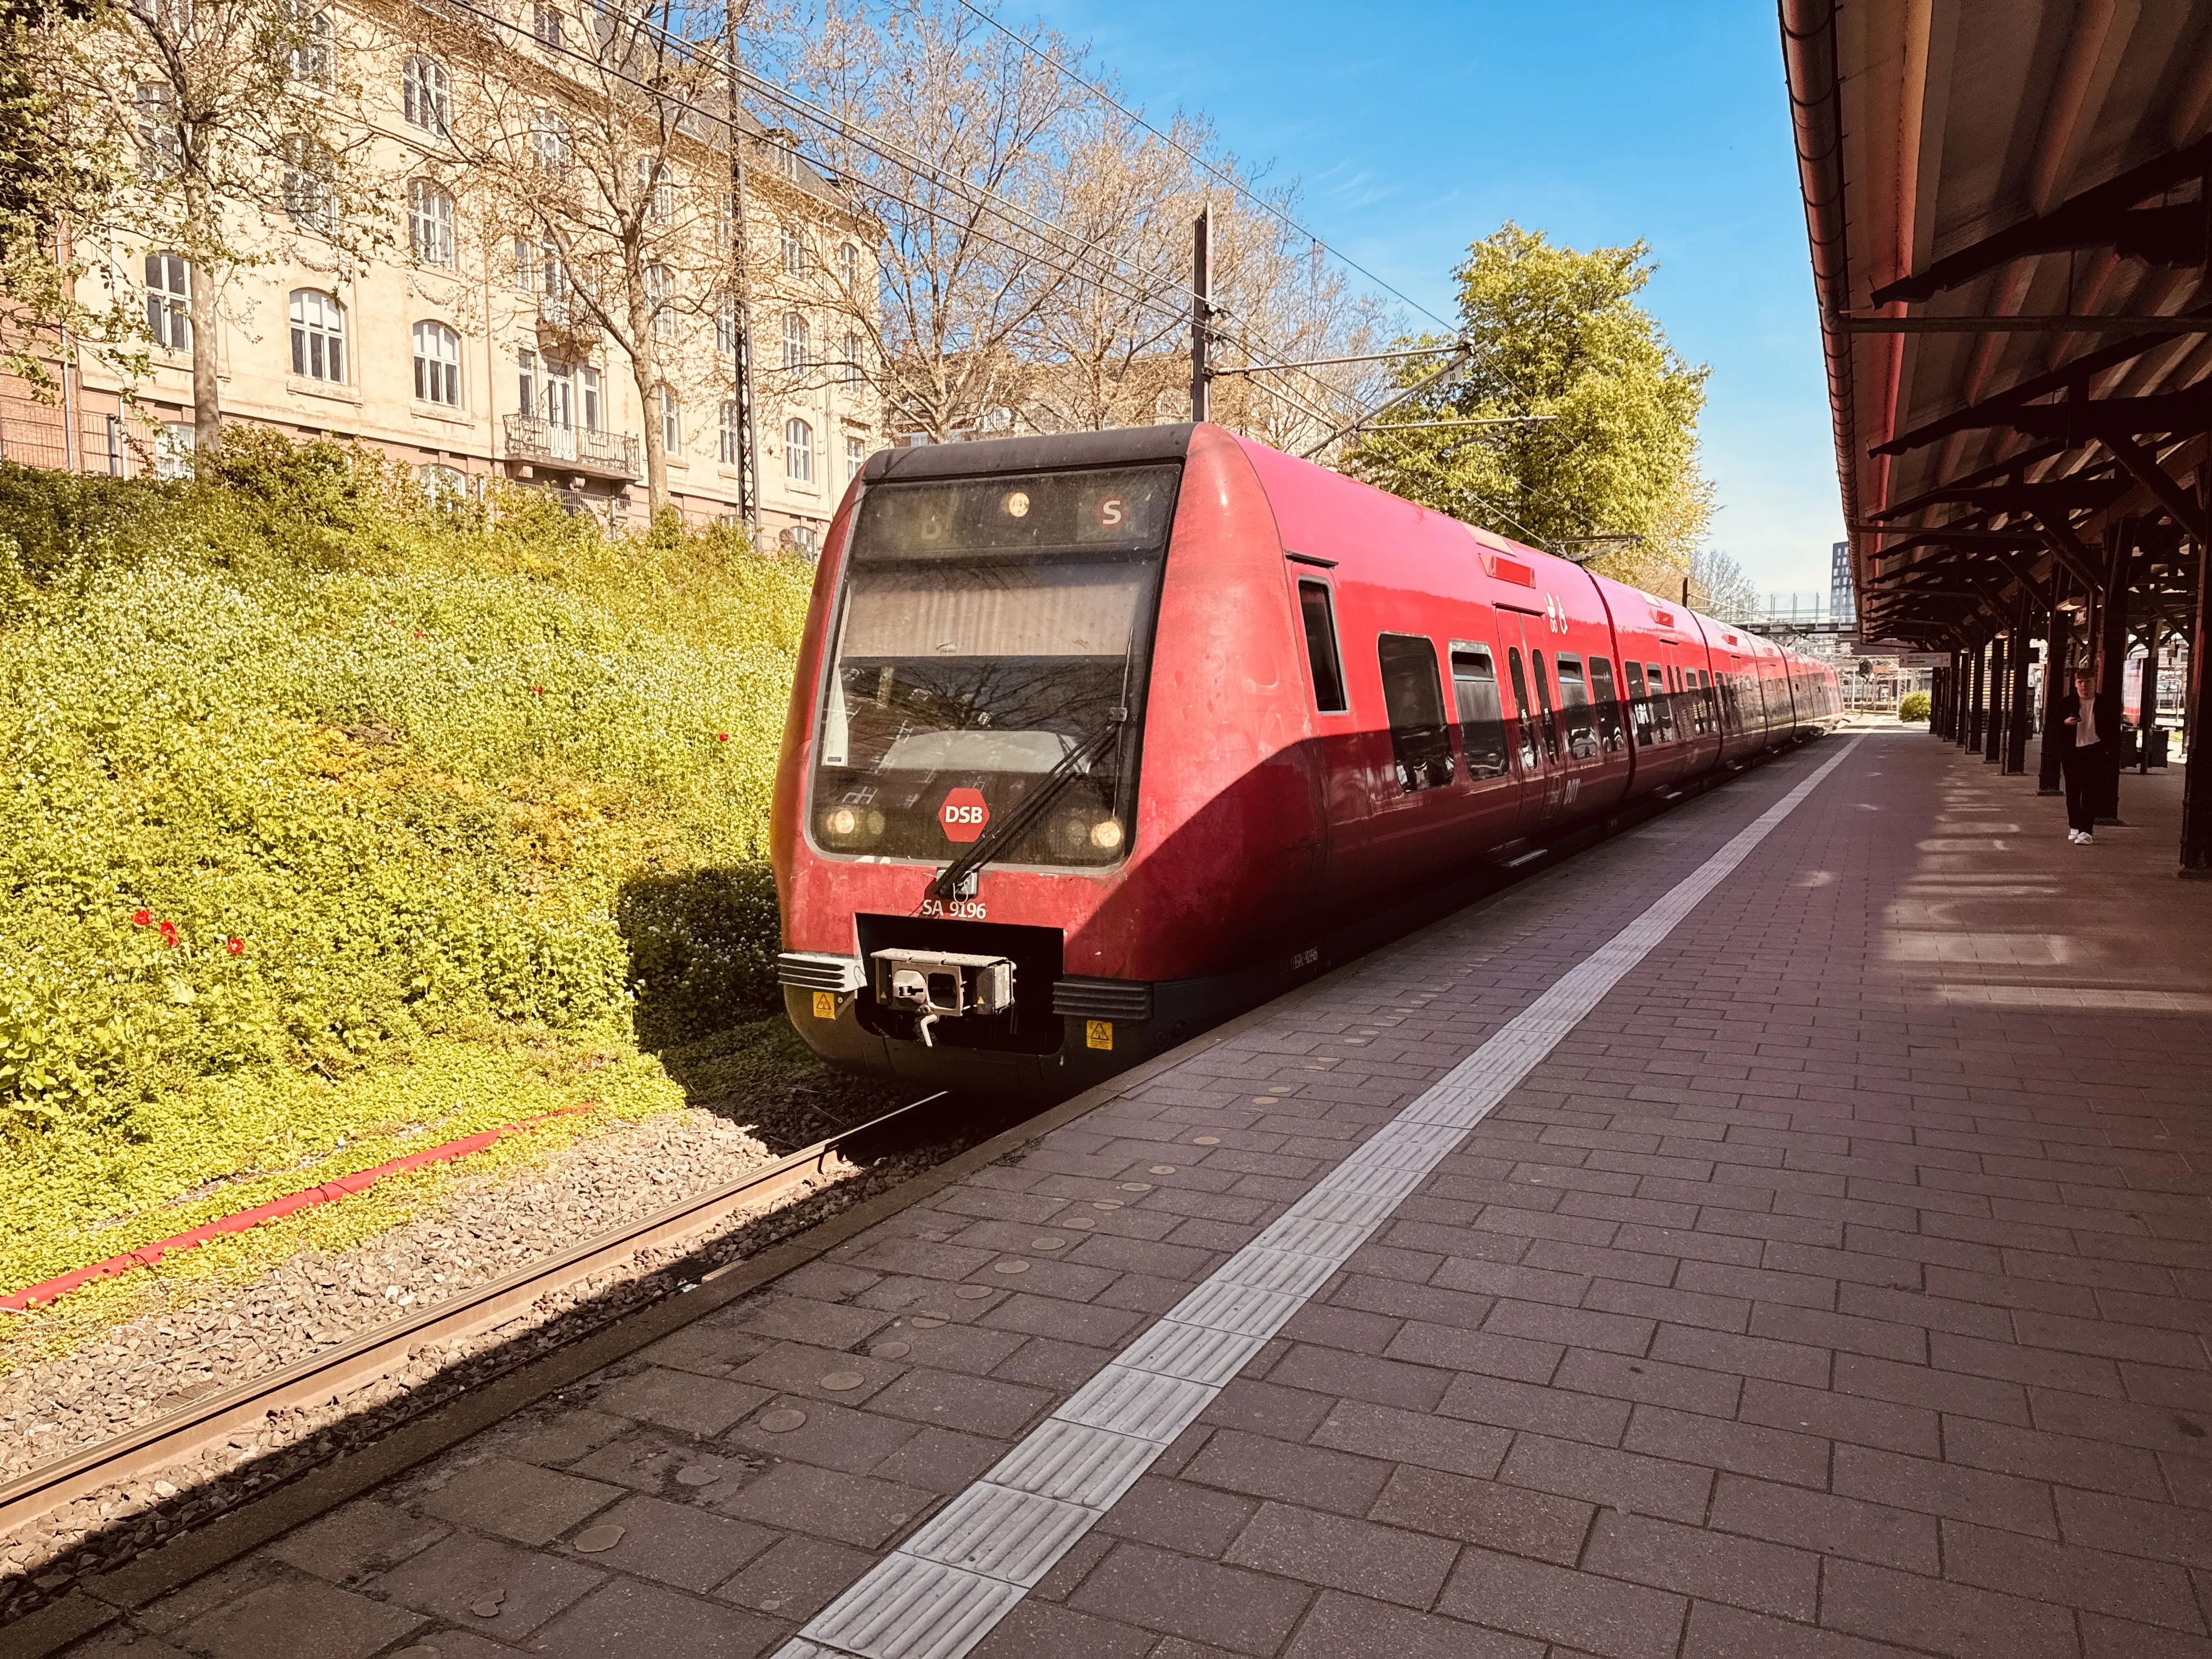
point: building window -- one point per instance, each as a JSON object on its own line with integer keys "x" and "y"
{"x": 317, "y": 335}
{"x": 800, "y": 538}
{"x": 429, "y": 222}
{"x": 798, "y": 452}
{"x": 856, "y": 456}
{"x": 660, "y": 298}
{"x": 795, "y": 342}
{"x": 553, "y": 305}
{"x": 656, "y": 188}
{"x": 848, "y": 265}
{"x": 525, "y": 265}
{"x": 444, "y": 485}
{"x": 795, "y": 252}
{"x": 161, "y": 139}
{"x": 525, "y": 373}
{"x": 169, "y": 300}
{"x": 733, "y": 433}
{"x": 725, "y": 332}
{"x": 308, "y": 198}
{"x": 587, "y": 394}
{"x": 785, "y": 157}
{"x": 852, "y": 360}
{"x": 173, "y": 445}
{"x": 545, "y": 24}
{"x": 437, "y": 364}
{"x": 548, "y": 136}
{"x": 311, "y": 44}
{"x": 425, "y": 96}
{"x": 670, "y": 434}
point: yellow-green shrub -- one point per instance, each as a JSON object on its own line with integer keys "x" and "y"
{"x": 427, "y": 767}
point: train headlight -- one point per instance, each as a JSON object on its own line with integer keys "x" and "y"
{"x": 1017, "y": 504}
{"x": 1106, "y": 834}
{"x": 853, "y": 824}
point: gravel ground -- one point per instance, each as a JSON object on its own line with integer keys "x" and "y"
{"x": 141, "y": 1371}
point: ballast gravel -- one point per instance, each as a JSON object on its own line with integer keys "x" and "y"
{"x": 165, "y": 1361}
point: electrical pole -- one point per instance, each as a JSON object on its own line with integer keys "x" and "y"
{"x": 1202, "y": 314}
{"x": 748, "y": 430}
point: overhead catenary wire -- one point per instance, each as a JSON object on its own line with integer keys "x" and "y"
{"x": 1109, "y": 280}
{"x": 888, "y": 150}
{"x": 875, "y": 142}
{"x": 1245, "y": 190}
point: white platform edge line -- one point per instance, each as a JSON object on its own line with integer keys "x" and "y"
{"x": 1498, "y": 1067}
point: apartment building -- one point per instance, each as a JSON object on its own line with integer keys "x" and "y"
{"x": 430, "y": 306}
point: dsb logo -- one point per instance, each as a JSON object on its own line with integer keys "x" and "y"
{"x": 963, "y": 814}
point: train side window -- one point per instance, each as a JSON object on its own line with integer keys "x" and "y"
{"x": 1521, "y": 717}
{"x": 1321, "y": 654}
{"x": 1575, "y": 707}
{"x": 1546, "y": 723}
{"x": 1610, "y": 731}
{"x": 1412, "y": 698}
{"x": 1663, "y": 706}
{"x": 1639, "y": 705}
{"x": 1481, "y": 717}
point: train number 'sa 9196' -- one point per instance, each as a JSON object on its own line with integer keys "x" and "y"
{"x": 959, "y": 910}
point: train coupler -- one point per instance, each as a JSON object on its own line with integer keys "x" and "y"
{"x": 934, "y": 985}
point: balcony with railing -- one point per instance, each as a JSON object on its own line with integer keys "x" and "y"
{"x": 540, "y": 442}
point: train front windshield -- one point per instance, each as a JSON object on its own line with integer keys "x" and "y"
{"x": 992, "y": 640}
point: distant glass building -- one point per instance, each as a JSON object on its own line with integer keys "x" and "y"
{"x": 1842, "y": 602}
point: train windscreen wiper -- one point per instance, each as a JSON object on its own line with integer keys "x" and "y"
{"x": 953, "y": 881}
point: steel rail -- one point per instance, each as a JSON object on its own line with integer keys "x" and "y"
{"x": 139, "y": 1452}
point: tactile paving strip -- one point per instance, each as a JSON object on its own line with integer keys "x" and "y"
{"x": 940, "y": 1592}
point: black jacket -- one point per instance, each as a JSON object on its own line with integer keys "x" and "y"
{"x": 2106, "y": 709}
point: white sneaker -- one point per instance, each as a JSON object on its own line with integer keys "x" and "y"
{"x": 2085, "y": 839}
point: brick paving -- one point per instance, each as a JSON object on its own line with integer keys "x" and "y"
{"x": 1836, "y": 1288}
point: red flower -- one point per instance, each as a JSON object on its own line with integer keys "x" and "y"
{"x": 538, "y": 690}
{"x": 418, "y": 633}
{"x": 141, "y": 918}
{"x": 236, "y": 946}
{"x": 722, "y": 737}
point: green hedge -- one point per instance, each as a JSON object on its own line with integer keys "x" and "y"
{"x": 1913, "y": 706}
{"x": 331, "y": 811}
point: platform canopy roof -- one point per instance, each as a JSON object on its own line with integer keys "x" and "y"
{"x": 2010, "y": 210}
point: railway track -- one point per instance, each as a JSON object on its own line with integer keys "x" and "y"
{"x": 140, "y": 1455}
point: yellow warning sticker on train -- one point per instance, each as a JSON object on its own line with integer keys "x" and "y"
{"x": 825, "y": 1005}
{"x": 1098, "y": 1033}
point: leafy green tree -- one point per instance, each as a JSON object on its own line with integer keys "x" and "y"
{"x": 1556, "y": 333}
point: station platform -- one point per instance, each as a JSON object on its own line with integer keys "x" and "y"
{"x": 1781, "y": 1230}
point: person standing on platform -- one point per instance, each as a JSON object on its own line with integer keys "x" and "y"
{"x": 2094, "y": 721}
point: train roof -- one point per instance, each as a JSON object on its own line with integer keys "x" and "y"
{"x": 1120, "y": 447}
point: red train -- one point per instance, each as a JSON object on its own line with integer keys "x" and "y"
{"x": 1098, "y": 737}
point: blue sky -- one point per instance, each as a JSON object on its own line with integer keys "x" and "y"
{"x": 1417, "y": 128}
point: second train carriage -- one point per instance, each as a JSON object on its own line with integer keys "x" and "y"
{"x": 1097, "y": 737}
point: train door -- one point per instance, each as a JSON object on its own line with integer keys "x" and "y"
{"x": 1536, "y": 726}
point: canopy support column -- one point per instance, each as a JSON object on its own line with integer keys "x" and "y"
{"x": 2016, "y": 719}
